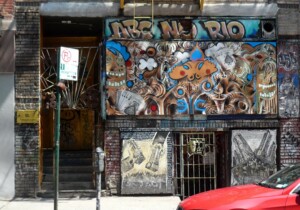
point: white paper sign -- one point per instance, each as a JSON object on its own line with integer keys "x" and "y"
{"x": 69, "y": 60}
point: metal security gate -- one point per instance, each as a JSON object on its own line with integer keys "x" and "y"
{"x": 195, "y": 163}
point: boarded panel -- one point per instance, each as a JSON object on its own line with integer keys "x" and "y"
{"x": 253, "y": 155}
{"x": 144, "y": 165}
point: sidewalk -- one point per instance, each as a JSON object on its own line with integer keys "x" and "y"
{"x": 106, "y": 203}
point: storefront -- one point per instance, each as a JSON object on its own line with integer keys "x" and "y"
{"x": 199, "y": 83}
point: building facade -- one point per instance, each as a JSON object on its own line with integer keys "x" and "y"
{"x": 183, "y": 99}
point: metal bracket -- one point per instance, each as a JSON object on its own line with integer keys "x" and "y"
{"x": 145, "y": 17}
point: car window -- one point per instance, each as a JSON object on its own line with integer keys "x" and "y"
{"x": 297, "y": 190}
{"x": 283, "y": 178}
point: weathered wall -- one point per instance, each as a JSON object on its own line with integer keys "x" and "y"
{"x": 27, "y": 96}
{"x": 112, "y": 145}
{"x": 290, "y": 141}
{"x": 288, "y": 20}
{"x": 289, "y": 100}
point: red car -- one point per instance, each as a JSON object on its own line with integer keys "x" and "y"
{"x": 279, "y": 191}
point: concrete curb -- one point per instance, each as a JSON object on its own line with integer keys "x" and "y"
{"x": 106, "y": 203}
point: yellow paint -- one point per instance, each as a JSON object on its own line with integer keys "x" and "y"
{"x": 201, "y": 3}
{"x": 121, "y": 4}
{"x": 28, "y": 116}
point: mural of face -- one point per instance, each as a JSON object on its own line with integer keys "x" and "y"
{"x": 193, "y": 70}
{"x": 115, "y": 69}
{"x": 227, "y": 96}
{"x": 116, "y": 56}
{"x": 262, "y": 59}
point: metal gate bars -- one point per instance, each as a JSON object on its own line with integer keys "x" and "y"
{"x": 195, "y": 163}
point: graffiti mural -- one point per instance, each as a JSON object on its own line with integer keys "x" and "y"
{"x": 185, "y": 77}
{"x": 253, "y": 155}
{"x": 288, "y": 79}
{"x": 290, "y": 142}
{"x": 190, "y": 66}
{"x": 144, "y": 162}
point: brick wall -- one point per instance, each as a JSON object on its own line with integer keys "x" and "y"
{"x": 290, "y": 141}
{"x": 112, "y": 148}
{"x": 27, "y": 97}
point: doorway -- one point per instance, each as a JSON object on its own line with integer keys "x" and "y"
{"x": 80, "y": 103}
{"x": 199, "y": 162}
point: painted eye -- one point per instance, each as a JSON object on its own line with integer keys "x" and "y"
{"x": 120, "y": 61}
{"x": 109, "y": 59}
{"x": 129, "y": 83}
{"x": 200, "y": 65}
{"x": 141, "y": 76}
{"x": 151, "y": 51}
{"x": 249, "y": 77}
{"x": 206, "y": 86}
{"x": 186, "y": 67}
{"x": 180, "y": 92}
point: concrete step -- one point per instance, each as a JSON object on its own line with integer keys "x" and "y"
{"x": 68, "y": 193}
{"x": 70, "y": 169}
{"x": 69, "y": 154}
{"x": 74, "y": 185}
{"x": 76, "y": 171}
{"x": 69, "y": 177}
{"x": 70, "y": 162}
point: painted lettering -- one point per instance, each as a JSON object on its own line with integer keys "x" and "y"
{"x": 223, "y": 30}
{"x": 131, "y": 29}
{"x": 174, "y": 30}
{"x": 118, "y": 31}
